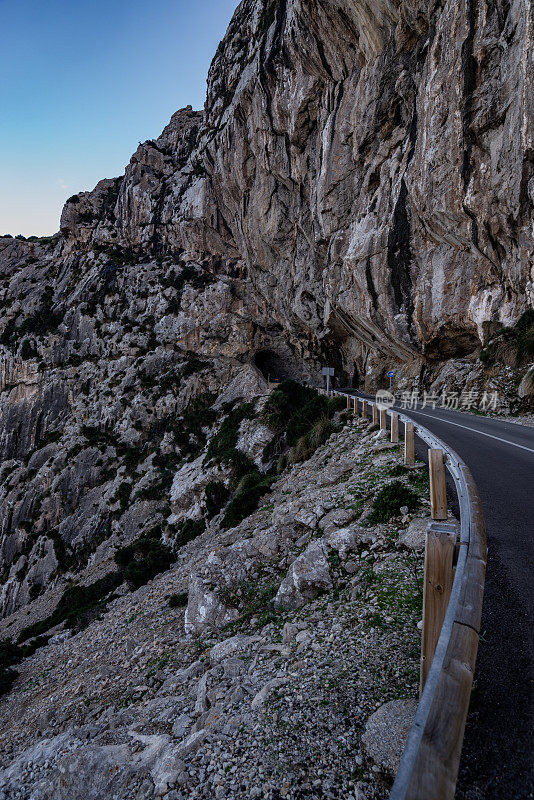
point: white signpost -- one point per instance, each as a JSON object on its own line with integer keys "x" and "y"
{"x": 391, "y": 373}
{"x": 329, "y": 372}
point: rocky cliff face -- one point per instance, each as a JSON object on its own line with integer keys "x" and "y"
{"x": 366, "y": 168}
{"x": 358, "y": 189}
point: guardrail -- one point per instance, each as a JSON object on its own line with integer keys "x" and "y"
{"x": 429, "y": 765}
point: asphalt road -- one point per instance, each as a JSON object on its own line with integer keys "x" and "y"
{"x": 498, "y": 753}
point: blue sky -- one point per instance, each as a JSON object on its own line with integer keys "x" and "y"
{"x": 81, "y": 83}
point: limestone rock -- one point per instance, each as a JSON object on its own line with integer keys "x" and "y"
{"x": 526, "y": 387}
{"x": 307, "y": 576}
{"x": 386, "y": 733}
{"x": 205, "y": 610}
{"x": 346, "y": 540}
{"x": 414, "y": 536}
{"x": 230, "y": 647}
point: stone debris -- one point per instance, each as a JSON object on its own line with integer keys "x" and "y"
{"x": 240, "y": 695}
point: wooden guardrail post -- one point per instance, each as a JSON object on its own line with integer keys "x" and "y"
{"x": 364, "y": 409}
{"x": 438, "y": 486}
{"x": 437, "y": 588}
{"x": 383, "y": 419}
{"x": 355, "y": 406}
{"x": 375, "y": 414}
{"x": 394, "y": 427}
{"x": 409, "y": 444}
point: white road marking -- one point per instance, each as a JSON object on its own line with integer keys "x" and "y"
{"x": 465, "y": 427}
{"x": 473, "y": 430}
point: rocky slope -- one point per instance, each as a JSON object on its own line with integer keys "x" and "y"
{"x": 254, "y": 666}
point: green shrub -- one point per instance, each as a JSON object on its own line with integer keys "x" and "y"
{"x": 389, "y": 501}
{"x": 252, "y": 600}
{"x": 190, "y": 529}
{"x": 216, "y": 496}
{"x": 525, "y": 336}
{"x": 306, "y": 446}
{"x": 187, "y": 430}
{"x": 10, "y": 654}
{"x": 288, "y": 398}
{"x": 300, "y": 417}
{"x": 222, "y": 445}
{"x": 189, "y": 275}
{"x": 398, "y": 470}
{"x": 178, "y": 600}
{"x": 143, "y": 560}
{"x": 42, "y": 322}
{"x": 123, "y": 494}
{"x": 249, "y": 491}
{"x": 27, "y": 350}
{"x": 192, "y": 366}
{"x": 39, "y": 641}
{"x": 78, "y": 606}
{"x": 64, "y": 555}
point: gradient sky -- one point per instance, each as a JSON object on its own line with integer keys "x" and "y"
{"x": 82, "y": 82}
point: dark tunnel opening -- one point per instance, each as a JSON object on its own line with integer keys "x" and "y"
{"x": 273, "y": 366}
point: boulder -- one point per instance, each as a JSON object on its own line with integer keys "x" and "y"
{"x": 348, "y": 539}
{"x": 386, "y": 733}
{"x": 205, "y": 610}
{"x": 526, "y": 387}
{"x": 308, "y": 575}
{"x": 229, "y": 647}
{"x": 414, "y": 536}
{"x": 253, "y": 437}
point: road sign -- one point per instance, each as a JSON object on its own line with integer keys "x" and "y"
{"x": 329, "y": 372}
{"x": 391, "y": 374}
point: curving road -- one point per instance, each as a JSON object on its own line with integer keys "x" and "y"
{"x": 498, "y": 752}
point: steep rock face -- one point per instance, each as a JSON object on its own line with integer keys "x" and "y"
{"x": 380, "y": 160}
{"x": 366, "y": 166}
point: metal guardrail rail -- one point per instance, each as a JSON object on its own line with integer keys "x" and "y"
{"x": 429, "y": 765}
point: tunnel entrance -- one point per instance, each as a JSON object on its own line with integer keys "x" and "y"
{"x": 272, "y": 365}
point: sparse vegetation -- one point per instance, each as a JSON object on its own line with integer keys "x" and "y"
{"x": 42, "y": 322}
{"x": 301, "y": 418}
{"x": 10, "y": 654}
{"x": 389, "y": 501}
{"x": 178, "y": 600}
{"x": 222, "y": 445}
{"x": 252, "y": 600}
{"x": 143, "y": 559}
{"x": 189, "y": 530}
{"x": 249, "y": 492}
{"x": 76, "y": 608}
{"x": 216, "y": 496}
{"x": 512, "y": 344}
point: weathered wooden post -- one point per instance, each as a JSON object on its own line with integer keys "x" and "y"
{"x": 394, "y": 427}
{"x": 437, "y": 588}
{"x": 438, "y": 486}
{"x": 409, "y": 444}
{"x": 383, "y": 419}
{"x": 355, "y": 406}
{"x": 348, "y": 402}
{"x": 364, "y": 409}
{"x": 375, "y": 414}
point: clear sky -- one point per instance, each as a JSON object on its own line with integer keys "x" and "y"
{"x": 82, "y": 82}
